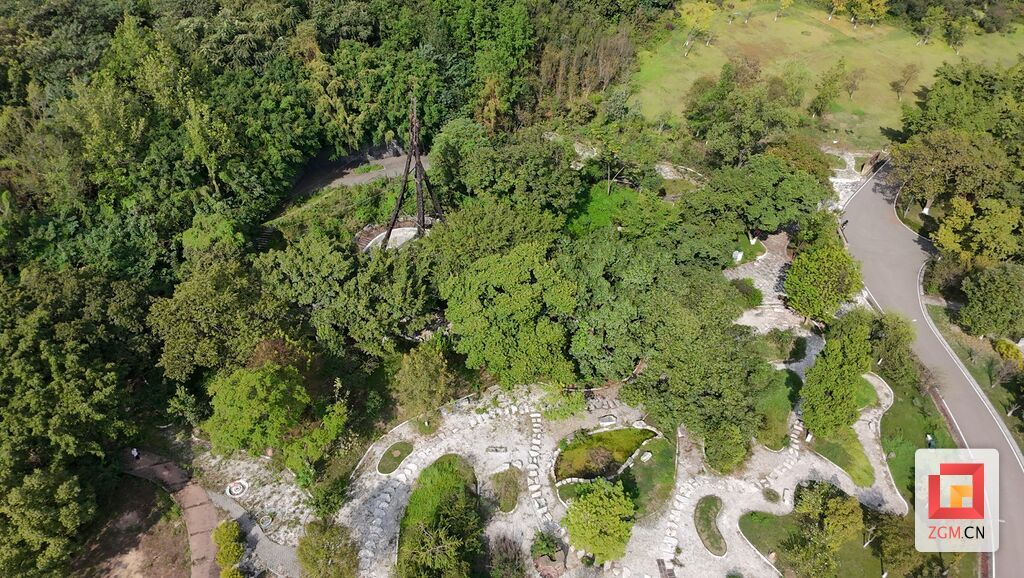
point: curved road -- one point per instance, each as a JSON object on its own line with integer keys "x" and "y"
{"x": 893, "y": 256}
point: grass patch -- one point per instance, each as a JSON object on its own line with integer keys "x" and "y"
{"x": 835, "y": 162}
{"x": 784, "y": 345}
{"x": 394, "y": 456}
{"x": 705, "y": 516}
{"x": 368, "y": 168}
{"x": 767, "y": 533}
{"x": 600, "y": 454}
{"x": 750, "y": 251}
{"x": 569, "y": 492}
{"x": 771, "y": 495}
{"x": 981, "y": 360}
{"x": 805, "y": 35}
{"x": 651, "y": 482}
{"x": 599, "y": 208}
{"x": 865, "y": 393}
{"x": 507, "y": 485}
{"x": 776, "y": 404}
{"x": 844, "y": 450}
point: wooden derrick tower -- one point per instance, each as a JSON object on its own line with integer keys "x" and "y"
{"x": 412, "y": 161}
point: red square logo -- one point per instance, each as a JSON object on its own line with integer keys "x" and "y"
{"x": 957, "y": 494}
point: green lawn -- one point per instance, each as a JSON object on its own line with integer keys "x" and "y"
{"x": 705, "y": 517}
{"x": 368, "y": 168}
{"x": 750, "y": 251}
{"x": 865, "y": 393}
{"x": 653, "y": 480}
{"x": 599, "y": 208}
{"x": 767, "y": 532}
{"x": 981, "y": 361}
{"x": 844, "y": 450}
{"x": 805, "y": 35}
{"x": 589, "y": 456}
{"x": 776, "y": 406}
{"x": 393, "y": 457}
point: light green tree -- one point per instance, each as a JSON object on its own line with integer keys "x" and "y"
{"x": 600, "y": 520}
{"x": 820, "y": 279}
{"x": 508, "y": 313}
{"x": 423, "y": 382}
{"x": 254, "y": 409}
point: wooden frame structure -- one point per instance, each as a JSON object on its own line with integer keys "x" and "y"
{"x": 412, "y": 161}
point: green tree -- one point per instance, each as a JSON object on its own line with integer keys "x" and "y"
{"x": 600, "y": 520}
{"x": 254, "y": 409}
{"x": 423, "y": 382}
{"x": 507, "y": 312}
{"x": 214, "y": 319}
{"x": 829, "y": 86}
{"x": 310, "y": 272}
{"x": 829, "y": 402}
{"x": 981, "y": 235}
{"x": 995, "y": 301}
{"x": 484, "y": 227}
{"x": 726, "y": 447}
{"x": 326, "y": 550}
{"x": 820, "y": 279}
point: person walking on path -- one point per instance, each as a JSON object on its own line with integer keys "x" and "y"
{"x": 135, "y": 453}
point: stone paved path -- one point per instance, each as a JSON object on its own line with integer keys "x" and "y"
{"x": 768, "y": 272}
{"x": 278, "y": 558}
{"x": 197, "y": 509}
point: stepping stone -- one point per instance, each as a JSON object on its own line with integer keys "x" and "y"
{"x": 535, "y": 415}
{"x": 537, "y": 494}
{"x": 534, "y": 487}
{"x": 534, "y": 453}
{"x": 547, "y": 516}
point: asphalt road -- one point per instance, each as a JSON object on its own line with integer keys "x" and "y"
{"x": 893, "y": 256}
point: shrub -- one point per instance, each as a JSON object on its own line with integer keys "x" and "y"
{"x": 326, "y": 551}
{"x": 725, "y": 448}
{"x": 507, "y": 485}
{"x": 600, "y": 520}
{"x": 771, "y": 495}
{"x": 506, "y": 558}
{"x": 228, "y": 538}
{"x": 1009, "y": 351}
{"x": 231, "y": 573}
{"x": 544, "y": 544}
{"x": 561, "y": 402}
{"x": 750, "y": 295}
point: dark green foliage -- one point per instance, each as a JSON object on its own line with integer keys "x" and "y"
{"x": 751, "y": 295}
{"x": 995, "y": 301}
{"x": 326, "y": 550}
{"x": 829, "y": 400}
{"x": 423, "y": 383}
{"x": 440, "y": 533}
{"x": 544, "y": 544}
{"x": 508, "y": 312}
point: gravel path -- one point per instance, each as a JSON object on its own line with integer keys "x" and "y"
{"x": 199, "y": 513}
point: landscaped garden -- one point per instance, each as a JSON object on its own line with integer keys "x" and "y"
{"x": 598, "y": 454}
{"x": 653, "y": 480}
{"x": 705, "y": 517}
{"x": 394, "y": 456}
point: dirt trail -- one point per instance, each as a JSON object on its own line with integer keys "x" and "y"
{"x": 197, "y": 509}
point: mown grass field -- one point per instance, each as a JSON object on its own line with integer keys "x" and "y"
{"x": 804, "y": 34}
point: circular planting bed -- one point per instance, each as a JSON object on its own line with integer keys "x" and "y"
{"x": 600, "y": 454}
{"x": 705, "y": 517}
{"x": 507, "y": 485}
{"x": 393, "y": 457}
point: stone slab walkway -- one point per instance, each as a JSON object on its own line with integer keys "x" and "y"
{"x": 278, "y": 558}
{"x": 197, "y": 509}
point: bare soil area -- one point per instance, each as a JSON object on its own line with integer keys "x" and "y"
{"x": 141, "y": 534}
